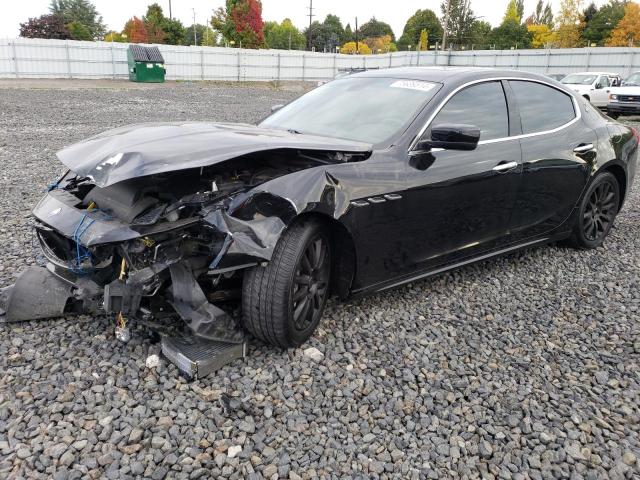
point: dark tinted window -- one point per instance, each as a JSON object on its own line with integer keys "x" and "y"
{"x": 541, "y": 107}
{"x": 482, "y": 105}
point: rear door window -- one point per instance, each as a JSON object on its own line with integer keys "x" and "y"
{"x": 541, "y": 106}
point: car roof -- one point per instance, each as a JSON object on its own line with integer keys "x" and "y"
{"x": 595, "y": 73}
{"x": 442, "y": 74}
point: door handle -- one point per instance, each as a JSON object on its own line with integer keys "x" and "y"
{"x": 587, "y": 147}
{"x": 503, "y": 167}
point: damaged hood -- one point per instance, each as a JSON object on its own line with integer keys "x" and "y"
{"x": 152, "y": 148}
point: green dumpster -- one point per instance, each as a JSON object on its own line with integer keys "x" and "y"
{"x": 145, "y": 64}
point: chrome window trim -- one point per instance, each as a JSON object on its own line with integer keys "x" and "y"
{"x": 576, "y": 107}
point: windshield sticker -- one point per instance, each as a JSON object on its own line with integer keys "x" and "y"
{"x": 413, "y": 85}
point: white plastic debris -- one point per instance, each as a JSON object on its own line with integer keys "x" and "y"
{"x": 153, "y": 361}
{"x": 234, "y": 451}
{"x": 314, "y": 354}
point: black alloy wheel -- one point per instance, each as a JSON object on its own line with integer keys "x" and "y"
{"x": 311, "y": 283}
{"x": 600, "y": 211}
{"x": 283, "y": 301}
{"x": 597, "y": 212}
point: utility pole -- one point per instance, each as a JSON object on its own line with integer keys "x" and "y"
{"x": 170, "y": 17}
{"x": 356, "y": 32}
{"x": 310, "y": 22}
{"x": 195, "y": 36}
{"x": 446, "y": 25}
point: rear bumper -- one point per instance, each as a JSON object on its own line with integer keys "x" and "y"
{"x": 624, "y": 108}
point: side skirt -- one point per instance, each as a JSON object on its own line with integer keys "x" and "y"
{"x": 380, "y": 287}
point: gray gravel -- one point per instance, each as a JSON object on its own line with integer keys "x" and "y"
{"x": 521, "y": 367}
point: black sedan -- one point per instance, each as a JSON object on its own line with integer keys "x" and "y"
{"x": 363, "y": 184}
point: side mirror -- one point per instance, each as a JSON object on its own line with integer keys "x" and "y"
{"x": 275, "y": 108}
{"x": 598, "y": 86}
{"x": 451, "y": 137}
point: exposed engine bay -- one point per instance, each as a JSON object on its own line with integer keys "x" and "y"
{"x": 162, "y": 246}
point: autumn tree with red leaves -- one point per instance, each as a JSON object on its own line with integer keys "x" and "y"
{"x": 241, "y": 22}
{"x": 135, "y": 31}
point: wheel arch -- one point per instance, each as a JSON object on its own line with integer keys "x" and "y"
{"x": 621, "y": 176}
{"x": 343, "y": 250}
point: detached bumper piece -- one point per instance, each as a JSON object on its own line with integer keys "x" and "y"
{"x": 197, "y": 357}
{"x": 37, "y": 294}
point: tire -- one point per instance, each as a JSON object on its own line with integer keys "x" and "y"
{"x": 613, "y": 115}
{"x": 587, "y": 97}
{"x": 596, "y": 212}
{"x": 282, "y": 303}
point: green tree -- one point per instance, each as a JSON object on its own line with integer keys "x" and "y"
{"x": 510, "y": 34}
{"x": 543, "y": 15}
{"x": 600, "y": 24}
{"x": 479, "y": 34}
{"x": 79, "y": 12}
{"x": 283, "y": 36}
{"x": 79, "y": 31}
{"x": 421, "y": 20}
{"x": 205, "y": 36}
{"x": 375, "y": 28}
{"x": 460, "y": 21}
{"x": 348, "y": 34}
{"x": 154, "y": 22}
{"x": 512, "y": 15}
{"x": 174, "y": 31}
{"x": 325, "y": 36}
{"x": 241, "y": 22}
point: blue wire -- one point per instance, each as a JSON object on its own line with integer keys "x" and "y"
{"x": 82, "y": 253}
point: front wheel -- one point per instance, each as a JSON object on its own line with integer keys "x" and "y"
{"x": 282, "y": 302}
{"x": 596, "y": 213}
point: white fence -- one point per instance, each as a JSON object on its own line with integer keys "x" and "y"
{"x": 37, "y": 58}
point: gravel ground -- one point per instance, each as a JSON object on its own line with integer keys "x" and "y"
{"x": 521, "y": 367}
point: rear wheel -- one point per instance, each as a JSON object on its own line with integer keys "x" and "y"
{"x": 613, "y": 115}
{"x": 596, "y": 213}
{"x": 282, "y": 303}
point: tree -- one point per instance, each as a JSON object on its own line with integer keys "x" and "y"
{"x": 283, "y": 36}
{"x": 600, "y": 24}
{"x": 376, "y": 28}
{"x": 350, "y": 48}
{"x": 520, "y": 8}
{"x": 325, "y": 36}
{"x": 421, "y": 20}
{"x": 205, "y": 36}
{"x": 627, "y": 32}
{"x": 424, "y": 40}
{"x": 154, "y": 22}
{"x": 174, "y": 31}
{"x": 479, "y": 34}
{"x": 45, "y": 26}
{"x": 541, "y": 36}
{"x": 81, "y": 12}
{"x": 112, "y": 36}
{"x": 348, "y": 34}
{"x": 135, "y": 31}
{"x": 543, "y": 15}
{"x": 241, "y": 22}
{"x": 510, "y": 34}
{"x": 380, "y": 44}
{"x": 460, "y": 21}
{"x": 569, "y": 24}
{"x": 79, "y": 31}
{"x": 512, "y": 12}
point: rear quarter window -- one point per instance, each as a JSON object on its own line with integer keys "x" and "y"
{"x": 542, "y": 107}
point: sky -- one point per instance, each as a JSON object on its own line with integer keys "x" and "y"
{"x": 116, "y": 12}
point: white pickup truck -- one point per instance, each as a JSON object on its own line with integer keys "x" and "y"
{"x": 594, "y": 86}
{"x": 625, "y": 100}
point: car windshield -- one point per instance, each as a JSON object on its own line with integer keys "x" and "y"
{"x": 370, "y": 110}
{"x": 633, "y": 79}
{"x": 578, "y": 79}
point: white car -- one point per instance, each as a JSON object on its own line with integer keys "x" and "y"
{"x": 594, "y": 86}
{"x": 625, "y": 100}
